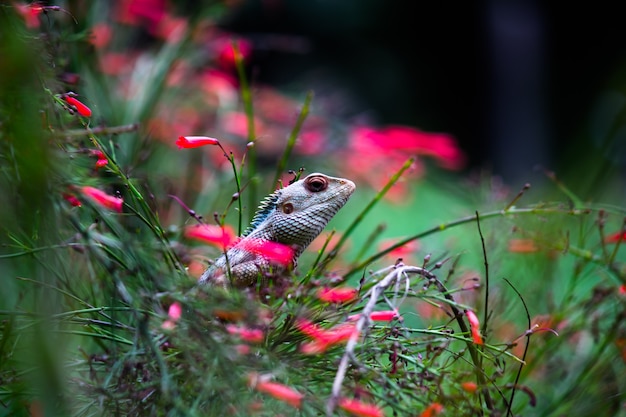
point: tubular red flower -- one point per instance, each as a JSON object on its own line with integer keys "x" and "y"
{"x": 469, "y": 387}
{"x": 30, "y": 13}
{"x": 386, "y": 315}
{"x": 272, "y": 251}
{"x": 615, "y": 237}
{"x": 359, "y": 408}
{"x": 223, "y": 236}
{"x": 337, "y": 295}
{"x": 72, "y": 200}
{"x": 189, "y": 142}
{"x": 102, "y": 159}
{"x": 103, "y": 199}
{"x": 79, "y": 106}
{"x": 279, "y": 391}
{"x": 432, "y": 410}
{"x": 474, "y": 326}
{"x": 323, "y": 339}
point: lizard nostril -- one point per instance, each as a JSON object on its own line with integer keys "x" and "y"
{"x": 316, "y": 184}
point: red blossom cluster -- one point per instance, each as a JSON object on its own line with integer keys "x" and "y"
{"x": 385, "y": 149}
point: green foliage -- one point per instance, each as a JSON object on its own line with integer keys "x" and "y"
{"x": 90, "y": 294}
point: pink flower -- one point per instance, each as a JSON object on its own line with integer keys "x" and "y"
{"x": 189, "y": 142}
{"x": 30, "y": 13}
{"x": 79, "y": 106}
{"x": 245, "y": 333}
{"x": 223, "y": 236}
{"x": 272, "y": 251}
{"x": 226, "y": 52}
{"x": 359, "y": 408}
{"x": 101, "y": 34}
{"x": 174, "y": 313}
{"x": 401, "y": 252}
{"x": 474, "y": 326}
{"x": 337, "y": 295}
{"x": 103, "y": 199}
{"x": 279, "y": 391}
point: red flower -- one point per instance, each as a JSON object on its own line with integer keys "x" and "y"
{"x": 102, "y": 159}
{"x": 475, "y": 327}
{"x": 469, "y": 386}
{"x": 103, "y": 199}
{"x": 79, "y": 106}
{"x": 272, "y": 251}
{"x": 245, "y": 333}
{"x": 101, "y": 34}
{"x": 322, "y": 338}
{"x": 226, "y": 52}
{"x": 337, "y": 295}
{"x": 386, "y": 315}
{"x": 72, "y": 200}
{"x": 223, "y": 236}
{"x": 522, "y": 246}
{"x": 615, "y": 237}
{"x": 432, "y": 410}
{"x": 279, "y": 391}
{"x": 174, "y": 312}
{"x": 189, "y": 142}
{"x": 30, "y": 13}
{"x": 359, "y": 408}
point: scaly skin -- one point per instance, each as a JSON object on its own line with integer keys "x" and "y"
{"x": 292, "y": 216}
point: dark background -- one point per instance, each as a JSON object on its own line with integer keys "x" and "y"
{"x": 515, "y": 82}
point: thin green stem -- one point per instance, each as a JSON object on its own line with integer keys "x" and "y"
{"x": 377, "y": 198}
{"x": 246, "y": 97}
{"x": 291, "y": 141}
{"x": 461, "y": 221}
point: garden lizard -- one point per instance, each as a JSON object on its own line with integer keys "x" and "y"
{"x": 292, "y": 216}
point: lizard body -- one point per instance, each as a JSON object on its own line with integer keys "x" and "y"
{"x": 291, "y": 216}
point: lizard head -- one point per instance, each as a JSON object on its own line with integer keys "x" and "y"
{"x": 305, "y": 207}
{"x": 296, "y": 214}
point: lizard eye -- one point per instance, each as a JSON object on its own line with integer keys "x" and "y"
{"x": 316, "y": 184}
{"x": 287, "y": 208}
